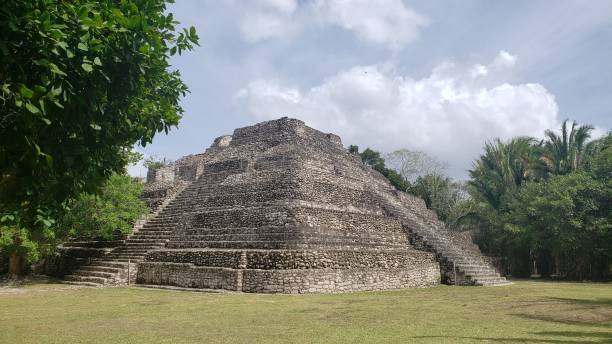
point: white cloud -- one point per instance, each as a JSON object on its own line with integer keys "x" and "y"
{"x": 478, "y": 71}
{"x": 266, "y": 19}
{"x": 386, "y": 22}
{"x": 504, "y": 59}
{"x": 450, "y": 113}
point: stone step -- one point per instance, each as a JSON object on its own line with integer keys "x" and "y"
{"x": 90, "y": 273}
{"x": 165, "y": 218}
{"x": 101, "y": 268}
{"x": 482, "y": 274}
{"x": 105, "y": 262}
{"x": 479, "y": 270}
{"x": 142, "y": 240}
{"x": 84, "y": 284}
{"x": 143, "y": 245}
{"x": 126, "y": 259}
{"x": 126, "y": 254}
{"x": 157, "y": 227}
{"x": 138, "y": 248}
{"x": 285, "y": 244}
{"x": 464, "y": 260}
{"x": 491, "y": 281}
{"x": 290, "y": 237}
{"x": 160, "y": 224}
{"x": 151, "y": 236}
{"x": 90, "y": 279}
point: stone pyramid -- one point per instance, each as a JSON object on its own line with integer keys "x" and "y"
{"x": 279, "y": 207}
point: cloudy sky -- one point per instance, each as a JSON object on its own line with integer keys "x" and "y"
{"x": 438, "y": 76}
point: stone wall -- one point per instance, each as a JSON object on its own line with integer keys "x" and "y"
{"x": 293, "y": 281}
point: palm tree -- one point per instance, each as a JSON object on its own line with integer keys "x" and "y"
{"x": 564, "y": 153}
{"x": 504, "y": 167}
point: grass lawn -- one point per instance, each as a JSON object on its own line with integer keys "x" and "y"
{"x": 525, "y": 312}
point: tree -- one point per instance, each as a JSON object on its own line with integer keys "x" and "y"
{"x": 598, "y": 157}
{"x": 569, "y": 217}
{"x": 503, "y": 168}
{"x": 413, "y": 164}
{"x": 106, "y": 215}
{"x": 82, "y": 82}
{"x": 153, "y": 162}
{"x": 494, "y": 180}
{"x": 449, "y": 199}
{"x": 373, "y": 158}
{"x": 564, "y": 153}
{"x": 544, "y": 202}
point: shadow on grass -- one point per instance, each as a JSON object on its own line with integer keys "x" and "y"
{"x": 450, "y": 339}
{"x": 603, "y": 335}
{"x": 568, "y": 311}
{"x": 596, "y": 302}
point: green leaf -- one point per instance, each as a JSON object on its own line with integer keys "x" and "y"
{"x": 56, "y": 91}
{"x": 82, "y": 46}
{"x": 87, "y": 67}
{"x": 32, "y": 108}
{"x": 6, "y": 218}
{"x": 41, "y": 62}
{"x": 55, "y": 69}
{"x": 63, "y": 45}
{"x": 95, "y": 126}
{"x": 97, "y": 61}
{"x": 58, "y": 104}
{"x": 26, "y": 92}
{"x": 46, "y": 120}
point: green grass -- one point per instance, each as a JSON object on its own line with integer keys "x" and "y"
{"x": 530, "y": 312}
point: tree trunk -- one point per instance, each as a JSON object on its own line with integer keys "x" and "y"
{"x": 15, "y": 264}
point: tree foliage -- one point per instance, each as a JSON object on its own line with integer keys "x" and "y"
{"x": 153, "y": 162}
{"x": 374, "y": 159}
{"x": 107, "y": 215}
{"x": 565, "y": 152}
{"x": 82, "y": 82}
{"x": 412, "y": 164}
{"x": 566, "y": 215}
{"x": 546, "y": 202}
{"x": 448, "y": 198}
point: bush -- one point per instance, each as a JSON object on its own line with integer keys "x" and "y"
{"x": 108, "y": 214}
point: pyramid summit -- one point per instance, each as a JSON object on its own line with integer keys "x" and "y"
{"x": 279, "y": 207}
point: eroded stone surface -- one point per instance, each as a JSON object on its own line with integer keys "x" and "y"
{"x": 282, "y": 208}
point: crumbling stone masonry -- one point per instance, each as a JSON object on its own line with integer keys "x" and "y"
{"x": 279, "y": 207}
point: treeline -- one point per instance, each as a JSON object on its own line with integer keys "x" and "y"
{"x": 422, "y": 175}
{"x": 543, "y": 207}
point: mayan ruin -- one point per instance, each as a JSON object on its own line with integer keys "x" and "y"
{"x": 279, "y": 207}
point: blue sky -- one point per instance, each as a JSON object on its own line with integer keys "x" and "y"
{"x": 438, "y": 76}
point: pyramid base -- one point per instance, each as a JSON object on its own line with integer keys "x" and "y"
{"x": 288, "y": 281}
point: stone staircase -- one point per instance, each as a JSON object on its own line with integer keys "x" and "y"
{"x": 119, "y": 265}
{"x": 461, "y": 262}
